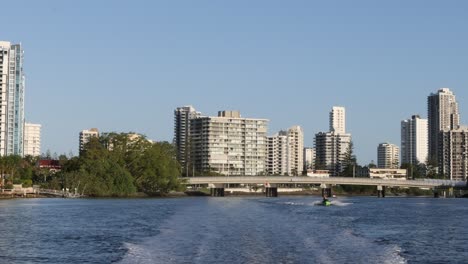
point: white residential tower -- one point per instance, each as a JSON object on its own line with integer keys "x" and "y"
{"x": 414, "y": 140}
{"x": 32, "y": 140}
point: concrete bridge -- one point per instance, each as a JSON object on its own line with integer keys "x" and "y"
{"x": 218, "y": 183}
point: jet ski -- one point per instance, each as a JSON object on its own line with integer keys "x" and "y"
{"x": 325, "y": 202}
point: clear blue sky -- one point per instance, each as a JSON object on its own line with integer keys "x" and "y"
{"x": 125, "y": 65}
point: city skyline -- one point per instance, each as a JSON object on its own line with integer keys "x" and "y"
{"x": 205, "y": 131}
{"x": 290, "y": 66}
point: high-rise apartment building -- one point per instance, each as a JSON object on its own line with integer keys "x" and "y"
{"x": 331, "y": 147}
{"x": 32, "y": 140}
{"x": 309, "y": 159}
{"x": 86, "y": 135}
{"x": 414, "y": 140}
{"x": 331, "y": 150}
{"x": 285, "y": 152}
{"x": 182, "y": 117}
{"x": 388, "y": 156}
{"x": 338, "y": 120}
{"x": 11, "y": 99}
{"x": 453, "y": 156}
{"x": 229, "y": 144}
{"x": 295, "y": 151}
{"x": 277, "y": 154}
{"x": 442, "y": 115}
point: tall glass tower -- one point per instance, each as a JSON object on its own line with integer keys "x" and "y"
{"x": 12, "y": 99}
{"x": 182, "y": 117}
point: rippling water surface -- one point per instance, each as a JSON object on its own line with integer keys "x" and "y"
{"x": 234, "y": 230}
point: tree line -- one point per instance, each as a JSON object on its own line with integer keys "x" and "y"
{"x": 113, "y": 165}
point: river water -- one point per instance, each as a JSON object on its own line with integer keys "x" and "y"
{"x": 234, "y": 230}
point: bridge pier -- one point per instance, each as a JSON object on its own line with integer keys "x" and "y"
{"x": 271, "y": 191}
{"x": 216, "y": 190}
{"x": 444, "y": 192}
{"x": 380, "y": 191}
{"x": 326, "y": 190}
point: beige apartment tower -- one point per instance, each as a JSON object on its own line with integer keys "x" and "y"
{"x": 453, "y": 158}
{"x": 229, "y": 144}
{"x": 277, "y": 154}
{"x": 32, "y": 140}
{"x": 309, "y": 159}
{"x": 388, "y": 156}
{"x": 338, "y": 120}
{"x": 85, "y": 136}
{"x": 285, "y": 152}
{"x": 295, "y": 151}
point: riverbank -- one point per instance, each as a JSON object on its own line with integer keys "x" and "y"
{"x": 258, "y": 193}
{"x": 335, "y": 191}
{"x": 14, "y": 196}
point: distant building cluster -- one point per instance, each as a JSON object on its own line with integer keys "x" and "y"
{"x": 447, "y": 139}
{"x": 16, "y": 137}
{"x": 438, "y": 142}
{"x": 228, "y": 144}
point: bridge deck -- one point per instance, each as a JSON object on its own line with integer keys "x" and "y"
{"x": 321, "y": 180}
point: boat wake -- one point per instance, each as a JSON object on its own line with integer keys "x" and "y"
{"x": 340, "y": 203}
{"x": 136, "y": 254}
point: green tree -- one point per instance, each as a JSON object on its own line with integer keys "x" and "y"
{"x": 320, "y": 164}
{"x": 13, "y": 164}
{"x": 415, "y": 171}
{"x": 101, "y": 175}
{"x": 119, "y": 164}
{"x": 431, "y": 169}
{"x": 349, "y": 162}
{"x": 159, "y": 170}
